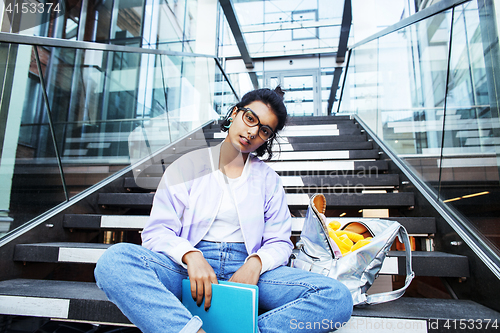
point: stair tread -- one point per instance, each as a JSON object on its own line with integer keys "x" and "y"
{"x": 332, "y": 167}
{"x": 88, "y": 302}
{"x": 366, "y": 200}
{"x": 338, "y": 145}
{"x": 326, "y": 155}
{"x": 76, "y": 245}
{"x": 69, "y": 300}
{"x": 360, "y": 137}
{"x": 302, "y": 127}
{"x": 428, "y": 308}
{"x": 338, "y": 181}
{"x": 68, "y": 245}
{"x": 424, "y": 263}
{"x": 413, "y": 225}
{"x": 52, "y": 289}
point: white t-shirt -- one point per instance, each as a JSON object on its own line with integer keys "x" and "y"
{"x": 226, "y": 226}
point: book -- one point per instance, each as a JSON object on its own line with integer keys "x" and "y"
{"x": 234, "y": 307}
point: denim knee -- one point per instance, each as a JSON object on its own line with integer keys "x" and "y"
{"x": 110, "y": 261}
{"x": 340, "y": 294}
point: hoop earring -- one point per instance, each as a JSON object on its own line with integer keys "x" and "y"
{"x": 230, "y": 123}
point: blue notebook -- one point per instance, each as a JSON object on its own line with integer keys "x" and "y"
{"x": 234, "y": 307}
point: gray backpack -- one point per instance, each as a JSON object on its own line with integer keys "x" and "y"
{"x": 358, "y": 269}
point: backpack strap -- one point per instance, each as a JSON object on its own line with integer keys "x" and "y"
{"x": 395, "y": 294}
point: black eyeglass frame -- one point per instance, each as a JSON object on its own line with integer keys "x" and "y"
{"x": 273, "y": 134}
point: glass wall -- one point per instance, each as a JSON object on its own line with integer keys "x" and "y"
{"x": 175, "y": 25}
{"x": 429, "y": 92}
{"x": 104, "y": 111}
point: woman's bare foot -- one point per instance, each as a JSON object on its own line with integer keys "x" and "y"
{"x": 201, "y": 331}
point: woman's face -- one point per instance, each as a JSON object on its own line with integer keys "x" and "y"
{"x": 245, "y": 138}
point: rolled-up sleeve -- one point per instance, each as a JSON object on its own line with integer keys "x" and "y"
{"x": 162, "y": 231}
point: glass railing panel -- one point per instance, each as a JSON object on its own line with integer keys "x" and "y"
{"x": 224, "y": 97}
{"x": 470, "y": 167}
{"x": 396, "y": 84}
{"x": 360, "y": 91}
{"x": 419, "y": 144}
{"x": 29, "y": 174}
{"x": 429, "y": 91}
{"x": 104, "y": 111}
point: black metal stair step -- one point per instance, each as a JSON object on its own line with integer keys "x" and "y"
{"x": 325, "y": 181}
{"x": 296, "y": 200}
{"x": 321, "y": 126}
{"x": 342, "y": 145}
{"x": 204, "y": 143}
{"x": 326, "y": 155}
{"x": 343, "y": 181}
{"x": 84, "y": 301}
{"x": 130, "y": 200}
{"x": 290, "y": 123}
{"x": 425, "y": 315}
{"x": 424, "y": 263}
{"x": 131, "y": 183}
{"x": 85, "y": 253}
{"x": 104, "y": 222}
{"x": 330, "y": 166}
{"x": 324, "y": 138}
{"x": 433, "y": 263}
{"x": 62, "y": 300}
{"x": 340, "y": 132}
{"x": 337, "y": 167}
{"x": 304, "y": 120}
{"x": 355, "y": 200}
{"x": 318, "y": 119}
{"x": 413, "y": 225}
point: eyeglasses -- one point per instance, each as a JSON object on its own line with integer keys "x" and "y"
{"x": 251, "y": 119}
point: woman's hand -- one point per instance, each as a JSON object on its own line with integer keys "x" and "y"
{"x": 249, "y": 273}
{"x": 201, "y": 276}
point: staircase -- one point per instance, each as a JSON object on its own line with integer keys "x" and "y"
{"x": 50, "y": 268}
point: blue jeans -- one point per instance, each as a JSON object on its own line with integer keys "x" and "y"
{"x": 146, "y": 286}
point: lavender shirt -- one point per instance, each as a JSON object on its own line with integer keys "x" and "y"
{"x": 188, "y": 199}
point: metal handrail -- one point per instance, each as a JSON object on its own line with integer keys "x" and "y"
{"x": 6, "y": 37}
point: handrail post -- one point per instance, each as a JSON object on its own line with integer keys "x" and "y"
{"x": 344, "y": 80}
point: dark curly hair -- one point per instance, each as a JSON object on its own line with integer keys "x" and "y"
{"x": 274, "y": 99}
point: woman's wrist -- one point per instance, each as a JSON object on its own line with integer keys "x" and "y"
{"x": 190, "y": 255}
{"x": 255, "y": 262}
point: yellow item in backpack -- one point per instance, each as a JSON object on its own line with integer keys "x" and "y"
{"x": 335, "y": 225}
{"x": 355, "y": 237}
{"x": 361, "y": 243}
